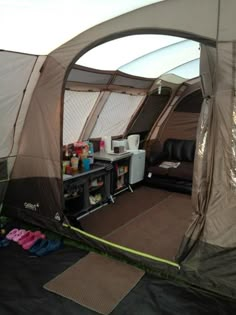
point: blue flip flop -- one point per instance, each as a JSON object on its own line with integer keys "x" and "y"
{"x": 49, "y": 247}
{"x": 40, "y": 243}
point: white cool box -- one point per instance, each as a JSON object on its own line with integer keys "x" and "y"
{"x": 137, "y": 165}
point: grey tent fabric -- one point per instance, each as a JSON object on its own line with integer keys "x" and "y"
{"x": 202, "y": 165}
{"x": 209, "y": 244}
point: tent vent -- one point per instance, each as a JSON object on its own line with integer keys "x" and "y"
{"x": 3, "y": 170}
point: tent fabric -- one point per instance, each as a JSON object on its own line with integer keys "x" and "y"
{"x": 170, "y": 57}
{"x": 212, "y": 232}
{"x": 12, "y": 94}
{"x": 182, "y": 122}
{"x": 157, "y": 55}
{"x": 23, "y": 72}
{"x": 35, "y": 186}
{"x": 81, "y": 78}
{"x": 41, "y": 38}
{"x": 80, "y": 75}
{"x": 202, "y": 160}
{"x": 187, "y": 70}
{"x": 150, "y": 111}
{"x": 100, "y": 56}
{"x": 116, "y": 114}
{"x": 77, "y": 107}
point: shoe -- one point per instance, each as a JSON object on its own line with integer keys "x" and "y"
{"x": 25, "y": 237}
{"x": 38, "y": 245}
{"x": 29, "y": 242}
{"x": 28, "y": 236}
{"x": 49, "y": 247}
{"x": 11, "y": 234}
{"x": 18, "y": 235}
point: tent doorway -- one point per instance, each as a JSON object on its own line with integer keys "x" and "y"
{"x": 148, "y": 214}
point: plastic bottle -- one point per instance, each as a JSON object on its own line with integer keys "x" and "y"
{"x": 102, "y": 146}
{"x": 74, "y": 163}
{"x": 91, "y": 153}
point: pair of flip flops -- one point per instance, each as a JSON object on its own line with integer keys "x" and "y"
{"x": 43, "y": 247}
{"x": 5, "y": 241}
{"x": 24, "y": 238}
{"x": 35, "y": 242}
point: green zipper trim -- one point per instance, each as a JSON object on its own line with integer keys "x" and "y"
{"x": 168, "y": 262}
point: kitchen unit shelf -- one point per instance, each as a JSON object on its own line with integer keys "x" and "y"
{"x": 85, "y": 192}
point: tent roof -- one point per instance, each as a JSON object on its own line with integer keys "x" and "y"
{"x": 38, "y": 27}
{"x": 150, "y": 57}
{"x": 146, "y": 55}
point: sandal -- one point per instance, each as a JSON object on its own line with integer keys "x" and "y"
{"x": 29, "y": 242}
{"x": 18, "y": 235}
{"x": 49, "y": 247}
{"x": 11, "y": 234}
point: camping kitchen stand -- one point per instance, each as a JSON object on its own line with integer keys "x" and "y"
{"x": 82, "y": 189}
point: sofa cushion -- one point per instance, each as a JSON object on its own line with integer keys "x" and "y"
{"x": 179, "y": 150}
{"x": 183, "y": 172}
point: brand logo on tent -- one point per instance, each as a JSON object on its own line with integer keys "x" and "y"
{"x": 57, "y": 217}
{"x": 31, "y": 206}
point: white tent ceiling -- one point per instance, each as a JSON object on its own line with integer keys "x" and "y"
{"x": 142, "y": 55}
{"x": 40, "y": 26}
{"x": 147, "y": 56}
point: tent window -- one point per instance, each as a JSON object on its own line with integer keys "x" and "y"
{"x": 77, "y": 107}
{"x": 116, "y": 114}
{"x": 83, "y": 76}
{"x": 131, "y": 82}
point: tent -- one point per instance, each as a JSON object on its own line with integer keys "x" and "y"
{"x": 31, "y": 108}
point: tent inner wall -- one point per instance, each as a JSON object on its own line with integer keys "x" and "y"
{"x": 149, "y": 113}
{"x": 180, "y": 121}
{"x": 34, "y": 192}
{"x": 22, "y": 71}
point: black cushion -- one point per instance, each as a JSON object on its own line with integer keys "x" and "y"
{"x": 179, "y": 150}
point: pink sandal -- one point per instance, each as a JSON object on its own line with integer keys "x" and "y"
{"x": 32, "y": 239}
{"x": 12, "y": 234}
{"x": 24, "y": 237}
{"x": 18, "y": 235}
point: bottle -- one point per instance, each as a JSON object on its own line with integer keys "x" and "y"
{"x": 74, "y": 163}
{"x": 66, "y": 157}
{"x": 102, "y": 146}
{"x": 91, "y": 153}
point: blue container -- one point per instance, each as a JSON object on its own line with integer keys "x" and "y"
{"x": 86, "y": 164}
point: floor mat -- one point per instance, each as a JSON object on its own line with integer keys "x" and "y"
{"x": 159, "y": 230}
{"x": 96, "y": 282}
{"x": 126, "y": 207}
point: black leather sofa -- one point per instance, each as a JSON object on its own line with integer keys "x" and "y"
{"x": 178, "y": 178}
